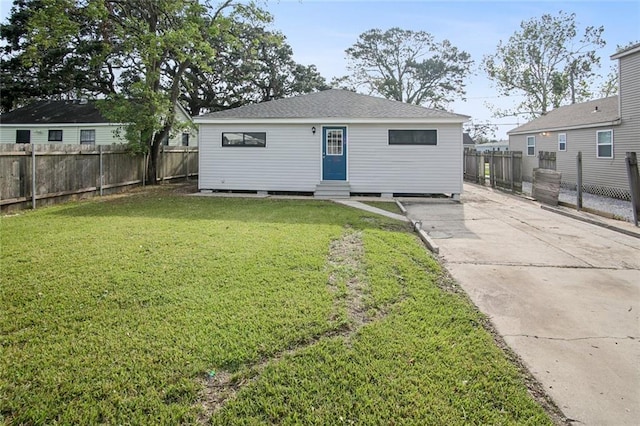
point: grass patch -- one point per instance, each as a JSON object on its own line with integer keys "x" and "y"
{"x": 116, "y": 311}
{"x": 385, "y": 205}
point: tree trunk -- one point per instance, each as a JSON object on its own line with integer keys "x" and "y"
{"x": 152, "y": 167}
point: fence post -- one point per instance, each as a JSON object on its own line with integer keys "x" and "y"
{"x": 579, "y": 181}
{"x": 144, "y": 170}
{"x": 186, "y": 166}
{"x": 511, "y": 170}
{"x": 162, "y": 164}
{"x": 634, "y": 184}
{"x": 33, "y": 176}
{"x": 101, "y": 169}
{"x": 491, "y": 169}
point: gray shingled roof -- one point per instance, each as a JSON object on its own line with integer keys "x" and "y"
{"x": 574, "y": 116}
{"x": 635, "y": 48}
{"x": 333, "y": 103}
{"x": 54, "y": 112}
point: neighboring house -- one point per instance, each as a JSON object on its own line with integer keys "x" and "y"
{"x": 332, "y": 143}
{"x": 603, "y": 130}
{"x": 73, "y": 122}
{"x": 493, "y": 146}
{"x": 467, "y": 141}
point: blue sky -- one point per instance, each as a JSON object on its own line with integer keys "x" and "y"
{"x": 319, "y": 31}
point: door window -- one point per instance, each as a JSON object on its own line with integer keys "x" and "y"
{"x": 334, "y": 142}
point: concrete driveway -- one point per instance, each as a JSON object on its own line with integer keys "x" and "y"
{"x": 564, "y": 294}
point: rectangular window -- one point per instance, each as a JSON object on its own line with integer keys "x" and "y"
{"x": 562, "y": 141}
{"x": 88, "y": 137}
{"x": 165, "y": 140}
{"x": 604, "y": 142}
{"x": 249, "y": 139}
{"x": 531, "y": 146}
{"x": 413, "y": 137}
{"x": 185, "y": 139}
{"x": 23, "y": 136}
{"x": 55, "y": 136}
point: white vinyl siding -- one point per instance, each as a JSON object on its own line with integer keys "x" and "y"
{"x": 292, "y": 160}
{"x": 531, "y": 146}
{"x": 604, "y": 142}
{"x": 71, "y": 134}
{"x": 289, "y": 162}
{"x": 375, "y": 166}
{"x": 562, "y": 142}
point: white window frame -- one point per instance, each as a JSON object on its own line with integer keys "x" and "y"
{"x": 598, "y": 144}
{"x": 531, "y": 146}
{"x": 560, "y": 142}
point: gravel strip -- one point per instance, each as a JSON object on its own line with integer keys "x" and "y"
{"x": 614, "y": 206}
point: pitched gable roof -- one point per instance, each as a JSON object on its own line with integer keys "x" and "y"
{"x": 600, "y": 112}
{"x": 467, "y": 140}
{"x": 332, "y": 104}
{"x": 55, "y": 112}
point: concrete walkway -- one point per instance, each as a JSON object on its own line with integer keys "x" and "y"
{"x": 564, "y": 294}
{"x": 371, "y": 209}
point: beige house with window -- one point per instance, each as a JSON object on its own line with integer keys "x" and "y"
{"x": 603, "y": 130}
{"x": 74, "y": 122}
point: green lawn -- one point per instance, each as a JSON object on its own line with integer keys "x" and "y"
{"x": 156, "y": 308}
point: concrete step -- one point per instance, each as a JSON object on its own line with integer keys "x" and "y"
{"x": 332, "y": 189}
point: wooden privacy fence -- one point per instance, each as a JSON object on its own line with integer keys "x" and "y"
{"x": 505, "y": 169}
{"x": 546, "y": 160}
{"x": 38, "y": 174}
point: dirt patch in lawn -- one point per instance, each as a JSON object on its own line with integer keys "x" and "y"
{"x": 345, "y": 262}
{"x": 348, "y": 285}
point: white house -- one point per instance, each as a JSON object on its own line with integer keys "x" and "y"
{"x": 603, "y": 130}
{"x": 492, "y": 146}
{"x": 73, "y": 122}
{"x": 332, "y": 143}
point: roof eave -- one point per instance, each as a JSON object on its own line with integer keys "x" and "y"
{"x": 93, "y": 124}
{"x": 331, "y": 120}
{"x": 626, "y": 52}
{"x": 559, "y": 129}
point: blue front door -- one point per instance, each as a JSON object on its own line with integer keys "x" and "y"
{"x": 334, "y": 153}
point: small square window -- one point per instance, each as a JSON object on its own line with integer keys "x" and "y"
{"x": 604, "y": 143}
{"x": 562, "y": 141}
{"x": 23, "y": 136}
{"x": 88, "y": 137}
{"x": 531, "y": 146}
{"x": 55, "y": 136}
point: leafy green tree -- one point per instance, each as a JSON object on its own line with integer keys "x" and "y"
{"x": 609, "y": 86}
{"x": 408, "y": 66}
{"x": 33, "y": 68}
{"x": 134, "y": 53}
{"x": 256, "y": 66}
{"x": 480, "y": 131}
{"x": 547, "y": 62}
